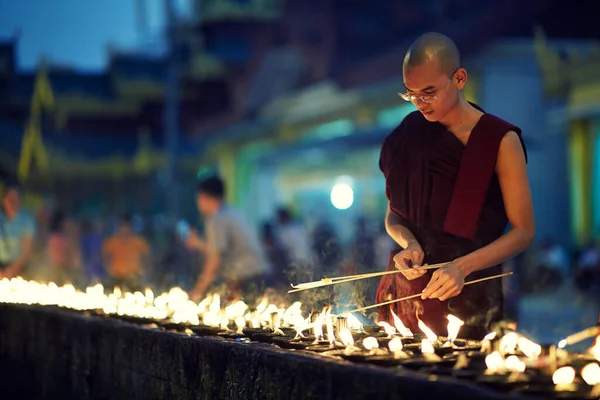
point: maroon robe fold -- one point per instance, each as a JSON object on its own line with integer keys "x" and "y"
{"x": 447, "y": 194}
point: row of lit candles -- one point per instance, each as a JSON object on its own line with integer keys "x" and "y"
{"x": 176, "y": 305}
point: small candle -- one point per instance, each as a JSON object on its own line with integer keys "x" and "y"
{"x": 341, "y": 323}
{"x": 494, "y": 363}
{"x": 395, "y": 346}
{"x": 428, "y": 351}
{"x": 595, "y": 391}
{"x": 370, "y": 343}
{"x": 591, "y": 374}
{"x": 563, "y": 379}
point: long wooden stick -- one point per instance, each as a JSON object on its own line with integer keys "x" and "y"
{"x": 579, "y": 336}
{"x": 372, "y": 274}
{"x": 350, "y": 278}
{"x": 420, "y": 294}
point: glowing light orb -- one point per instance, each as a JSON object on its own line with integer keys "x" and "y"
{"x": 342, "y": 196}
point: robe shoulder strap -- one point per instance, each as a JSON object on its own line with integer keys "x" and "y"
{"x": 476, "y": 170}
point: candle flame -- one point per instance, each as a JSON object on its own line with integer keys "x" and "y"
{"x": 595, "y": 349}
{"x": 346, "y": 337}
{"x": 403, "y": 330}
{"x": 149, "y": 295}
{"x": 318, "y": 327}
{"x": 508, "y": 343}
{"x": 300, "y": 324}
{"x": 454, "y": 325}
{"x": 486, "y": 343}
{"x": 186, "y": 313}
{"x": 431, "y": 336}
{"x": 352, "y": 322}
{"x": 254, "y": 323}
{"x": 240, "y": 323}
{"x": 262, "y": 306}
{"x": 494, "y": 362}
{"x": 395, "y": 344}
{"x": 513, "y": 363}
{"x": 591, "y": 374}
{"x": 235, "y": 310}
{"x": 370, "y": 343}
{"x": 389, "y": 330}
{"x": 427, "y": 347}
{"x": 291, "y": 314}
{"x": 529, "y": 348}
{"x": 329, "y": 325}
{"x": 563, "y": 376}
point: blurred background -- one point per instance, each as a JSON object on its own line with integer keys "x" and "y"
{"x": 121, "y": 106}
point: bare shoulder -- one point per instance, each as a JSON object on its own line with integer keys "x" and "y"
{"x": 511, "y": 139}
{"x": 511, "y": 146}
{"x": 511, "y": 155}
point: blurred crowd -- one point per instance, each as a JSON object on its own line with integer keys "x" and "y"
{"x": 550, "y": 265}
{"x": 134, "y": 252}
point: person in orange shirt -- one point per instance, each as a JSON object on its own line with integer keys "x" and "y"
{"x": 126, "y": 256}
{"x": 61, "y": 255}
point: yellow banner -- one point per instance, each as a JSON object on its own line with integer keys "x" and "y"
{"x": 32, "y": 148}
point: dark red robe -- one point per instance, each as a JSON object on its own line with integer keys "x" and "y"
{"x": 447, "y": 194}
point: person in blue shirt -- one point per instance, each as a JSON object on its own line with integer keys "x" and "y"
{"x": 16, "y": 230}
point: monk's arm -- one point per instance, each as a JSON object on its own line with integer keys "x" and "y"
{"x": 512, "y": 176}
{"x": 397, "y": 231}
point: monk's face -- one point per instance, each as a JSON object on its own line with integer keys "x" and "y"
{"x": 431, "y": 89}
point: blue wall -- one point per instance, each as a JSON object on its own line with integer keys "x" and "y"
{"x": 596, "y": 183}
{"x": 511, "y": 88}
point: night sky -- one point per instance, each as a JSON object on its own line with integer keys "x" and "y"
{"x": 75, "y": 32}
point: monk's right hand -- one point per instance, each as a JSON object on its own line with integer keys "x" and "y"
{"x": 409, "y": 261}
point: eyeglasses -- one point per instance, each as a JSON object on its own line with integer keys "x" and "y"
{"x": 424, "y": 98}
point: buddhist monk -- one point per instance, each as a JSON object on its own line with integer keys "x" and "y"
{"x": 455, "y": 176}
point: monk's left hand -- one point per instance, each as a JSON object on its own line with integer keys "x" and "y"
{"x": 445, "y": 283}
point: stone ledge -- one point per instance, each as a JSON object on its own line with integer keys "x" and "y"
{"x": 49, "y": 353}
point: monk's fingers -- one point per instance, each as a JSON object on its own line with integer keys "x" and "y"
{"x": 434, "y": 278}
{"x": 441, "y": 290}
{"x": 408, "y": 272}
{"x": 401, "y": 260}
{"x": 405, "y": 259}
{"x": 412, "y": 273}
{"x": 416, "y": 256}
{"x": 420, "y": 257}
{"x": 450, "y": 293}
{"x": 436, "y": 282}
{"x": 401, "y": 263}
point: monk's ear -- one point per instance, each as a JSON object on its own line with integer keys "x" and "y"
{"x": 460, "y": 78}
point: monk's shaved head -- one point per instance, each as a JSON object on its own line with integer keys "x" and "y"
{"x": 433, "y": 46}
